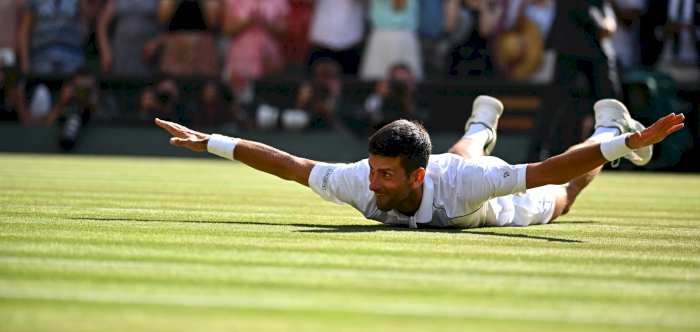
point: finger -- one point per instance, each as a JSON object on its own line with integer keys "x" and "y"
{"x": 671, "y": 121}
{"x": 195, "y": 145}
{"x": 679, "y": 118}
{"x": 178, "y": 141}
{"x": 675, "y": 128}
{"x": 173, "y": 128}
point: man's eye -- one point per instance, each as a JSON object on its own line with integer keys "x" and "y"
{"x": 386, "y": 175}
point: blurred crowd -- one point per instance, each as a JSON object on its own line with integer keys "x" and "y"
{"x": 196, "y": 61}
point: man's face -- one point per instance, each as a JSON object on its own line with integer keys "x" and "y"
{"x": 389, "y": 182}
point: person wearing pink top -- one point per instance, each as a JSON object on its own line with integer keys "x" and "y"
{"x": 254, "y": 28}
{"x": 10, "y": 14}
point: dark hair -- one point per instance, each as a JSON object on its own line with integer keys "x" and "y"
{"x": 400, "y": 66}
{"x": 407, "y": 139}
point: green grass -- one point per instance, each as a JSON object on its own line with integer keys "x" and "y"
{"x": 134, "y": 244}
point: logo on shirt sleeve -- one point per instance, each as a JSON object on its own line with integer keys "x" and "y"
{"x": 506, "y": 174}
{"x": 325, "y": 178}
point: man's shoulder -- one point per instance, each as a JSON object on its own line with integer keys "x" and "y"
{"x": 359, "y": 168}
{"x": 448, "y": 163}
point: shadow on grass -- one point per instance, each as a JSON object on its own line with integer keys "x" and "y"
{"x": 310, "y": 228}
{"x": 573, "y": 222}
{"x": 523, "y": 236}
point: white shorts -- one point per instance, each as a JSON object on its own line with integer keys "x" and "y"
{"x": 535, "y": 207}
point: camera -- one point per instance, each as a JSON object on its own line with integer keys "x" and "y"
{"x": 163, "y": 97}
{"x": 82, "y": 92}
{"x": 71, "y": 126}
{"x": 320, "y": 92}
{"x": 398, "y": 88}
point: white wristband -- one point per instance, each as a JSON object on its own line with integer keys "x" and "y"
{"x": 222, "y": 146}
{"x": 615, "y": 148}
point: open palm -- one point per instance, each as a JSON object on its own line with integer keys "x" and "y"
{"x": 184, "y": 136}
{"x": 657, "y": 132}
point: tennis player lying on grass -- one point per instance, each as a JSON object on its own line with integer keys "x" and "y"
{"x": 402, "y": 183}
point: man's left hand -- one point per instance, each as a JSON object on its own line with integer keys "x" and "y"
{"x": 657, "y": 132}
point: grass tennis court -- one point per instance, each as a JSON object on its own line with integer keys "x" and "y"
{"x": 138, "y": 244}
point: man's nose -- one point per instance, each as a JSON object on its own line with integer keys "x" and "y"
{"x": 374, "y": 184}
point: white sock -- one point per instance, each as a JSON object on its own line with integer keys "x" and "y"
{"x": 479, "y": 133}
{"x": 604, "y": 134}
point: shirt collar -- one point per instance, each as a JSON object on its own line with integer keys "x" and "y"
{"x": 424, "y": 214}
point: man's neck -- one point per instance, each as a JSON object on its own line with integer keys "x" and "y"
{"x": 411, "y": 204}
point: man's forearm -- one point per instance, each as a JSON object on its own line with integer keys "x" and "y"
{"x": 273, "y": 161}
{"x": 565, "y": 167}
{"x": 256, "y": 155}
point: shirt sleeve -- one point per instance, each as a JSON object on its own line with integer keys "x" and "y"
{"x": 343, "y": 184}
{"x": 491, "y": 177}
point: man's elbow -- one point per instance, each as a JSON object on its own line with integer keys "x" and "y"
{"x": 299, "y": 172}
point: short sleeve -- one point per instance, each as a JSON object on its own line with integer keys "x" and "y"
{"x": 491, "y": 177}
{"x": 343, "y": 184}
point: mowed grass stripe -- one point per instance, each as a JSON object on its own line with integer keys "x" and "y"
{"x": 25, "y": 265}
{"x": 155, "y": 234}
{"x": 368, "y": 308}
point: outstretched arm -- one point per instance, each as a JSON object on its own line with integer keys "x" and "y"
{"x": 577, "y": 162}
{"x": 256, "y": 155}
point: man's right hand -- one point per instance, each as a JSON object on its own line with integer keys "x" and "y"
{"x": 184, "y": 136}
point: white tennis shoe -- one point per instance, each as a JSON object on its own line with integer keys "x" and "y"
{"x": 486, "y": 110}
{"x": 611, "y": 113}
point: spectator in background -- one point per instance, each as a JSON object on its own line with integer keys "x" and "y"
{"x": 51, "y": 36}
{"x": 443, "y": 25}
{"x": 393, "y": 39}
{"x": 579, "y": 34}
{"x": 540, "y": 12}
{"x": 77, "y": 104}
{"x": 626, "y": 39}
{"x": 472, "y": 58}
{"x": 135, "y": 33}
{"x": 10, "y": 16}
{"x": 321, "y": 97}
{"x": 255, "y": 28}
{"x": 393, "y": 99}
{"x": 668, "y": 32}
{"x": 316, "y": 105}
{"x": 296, "y": 41}
{"x": 518, "y": 49}
{"x": 12, "y": 103}
{"x": 189, "y": 46}
{"x": 161, "y": 100}
{"x": 337, "y": 32}
{"x": 681, "y": 29}
{"x": 217, "y": 110}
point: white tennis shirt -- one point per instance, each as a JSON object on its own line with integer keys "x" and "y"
{"x": 457, "y": 192}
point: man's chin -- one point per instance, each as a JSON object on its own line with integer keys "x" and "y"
{"x": 384, "y": 206}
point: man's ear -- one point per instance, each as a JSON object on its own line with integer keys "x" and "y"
{"x": 417, "y": 177}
